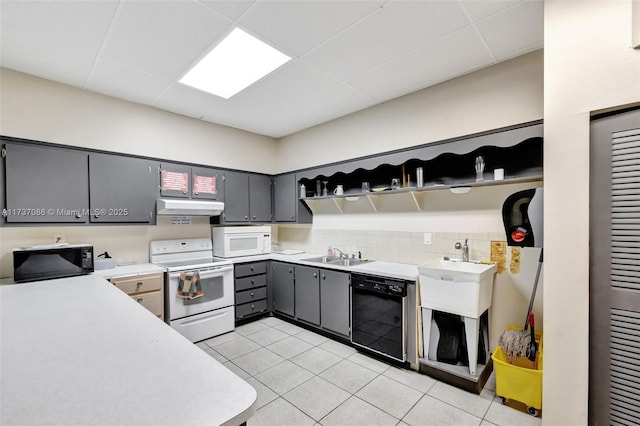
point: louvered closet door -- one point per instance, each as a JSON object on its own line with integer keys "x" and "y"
{"x": 614, "y": 358}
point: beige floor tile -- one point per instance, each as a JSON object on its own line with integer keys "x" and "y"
{"x": 316, "y": 397}
{"x": 356, "y": 412}
{"x": 265, "y": 395}
{"x": 432, "y": 412}
{"x": 417, "y": 381}
{"x": 390, "y": 396}
{"x": 267, "y": 336}
{"x": 258, "y": 361}
{"x": 467, "y": 401}
{"x": 284, "y": 377}
{"x": 349, "y": 376}
{"x": 289, "y": 347}
{"x": 316, "y": 360}
{"x": 236, "y": 348}
{"x": 502, "y": 415}
{"x": 369, "y": 362}
{"x": 280, "y": 412}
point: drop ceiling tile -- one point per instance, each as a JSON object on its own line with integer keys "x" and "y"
{"x": 312, "y": 22}
{"x": 188, "y": 101}
{"x": 515, "y": 31}
{"x": 41, "y": 57}
{"x": 396, "y": 28}
{"x": 426, "y": 66}
{"x": 79, "y": 24}
{"x": 114, "y": 79}
{"x": 479, "y": 9}
{"x": 232, "y": 9}
{"x": 163, "y": 38}
{"x": 290, "y": 84}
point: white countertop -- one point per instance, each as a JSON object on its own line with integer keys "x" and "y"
{"x": 78, "y": 351}
{"x": 130, "y": 270}
{"x": 401, "y": 271}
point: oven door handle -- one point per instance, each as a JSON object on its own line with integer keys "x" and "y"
{"x": 216, "y": 271}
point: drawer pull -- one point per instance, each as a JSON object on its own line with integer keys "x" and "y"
{"x": 138, "y": 285}
{"x": 140, "y": 300}
{"x": 251, "y": 267}
{"x": 253, "y": 307}
{"x": 251, "y": 294}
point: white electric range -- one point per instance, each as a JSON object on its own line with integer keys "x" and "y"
{"x": 210, "y": 314}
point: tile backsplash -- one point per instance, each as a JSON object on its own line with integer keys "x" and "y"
{"x": 390, "y": 246}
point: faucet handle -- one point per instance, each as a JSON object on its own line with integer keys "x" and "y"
{"x": 458, "y": 246}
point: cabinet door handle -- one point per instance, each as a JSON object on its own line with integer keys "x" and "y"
{"x": 254, "y": 217}
{"x": 138, "y": 285}
{"x": 140, "y": 300}
{"x": 290, "y": 271}
{"x": 246, "y": 217}
{"x": 195, "y": 193}
{"x": 324, "y": 277}
{"x": 315, "y": 275}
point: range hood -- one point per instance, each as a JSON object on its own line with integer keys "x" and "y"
{"x": 189, "y": 207}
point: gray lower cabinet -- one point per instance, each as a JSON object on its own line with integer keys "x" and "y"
{"x": 307, "y": 294}
{"x": 335, "y": 302}
{"x": 46, "y": 184}
{"x": 282, "y": 283}
{"x": 122, "y": 189}
{"x": 250, "y": 289}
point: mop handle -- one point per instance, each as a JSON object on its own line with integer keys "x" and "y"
{"x": 533, "y": 293}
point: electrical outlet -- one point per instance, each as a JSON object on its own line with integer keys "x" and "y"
{"x": 58, "y": 238}
{"x": 427, "y": 238}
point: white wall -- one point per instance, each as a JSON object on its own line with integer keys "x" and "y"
{"x": 505, "y": 94}
{"x": 34, "y": 108}
{"x": 589, "y": 65}
{"x": 498, "y": 96}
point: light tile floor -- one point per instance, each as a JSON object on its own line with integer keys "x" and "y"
{"x": 303, "y": 378}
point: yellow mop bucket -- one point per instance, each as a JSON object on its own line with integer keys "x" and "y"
{"x": 521, "y": 381}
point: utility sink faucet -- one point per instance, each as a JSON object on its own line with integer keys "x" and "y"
{"x": 464, "y": 248}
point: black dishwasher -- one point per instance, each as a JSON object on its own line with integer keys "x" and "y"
{"x": 378, "y": 315}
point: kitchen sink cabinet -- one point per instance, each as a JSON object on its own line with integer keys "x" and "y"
{"x": 335, "y": 302}
{"x": 286, "y": 203}
{"x": 282, "y": 283}
{"x": 184, "y": 181}
{"x": 307, "y": 294}
{"x": 45, "y": 184}
{"x": 122, "y": 189}
{"x": 251, "y": 283}
{"x": 247, "y": 198}
{"x": 144, "y": 289}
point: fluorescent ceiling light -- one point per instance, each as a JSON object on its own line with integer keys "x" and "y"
{"x": 237, "y": 62}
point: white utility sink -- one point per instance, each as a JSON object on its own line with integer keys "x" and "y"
{"x": 457, "y": 287}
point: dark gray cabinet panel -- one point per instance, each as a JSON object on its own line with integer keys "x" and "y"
{"x": 122, "y": 189}
{"x": 287, "y": 205}
{"x": 206, "y": 184}
{"x": 260, "y": 198}
{"x": 48, "y": 185}
{"x": 251, "y": 289}
{"x": 283, "y": 288}
{"x": 334, "y": 301}
{"x": 236, "y": 197}
{"x": 175, "y": 180}
{"x": 307, "y": 294}
{"x": 285, "y": 198}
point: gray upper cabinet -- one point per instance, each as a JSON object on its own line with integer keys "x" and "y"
{"x": 236, "y": 197}
{"x": 175, "y": 180}
{"x": 46, "y": 184}
{"x": 287, "y": 205}
{"x": 283, "y": 290}
{"x": 335, "y": 301}
{"x": 260, "y": 198}
{"x": 206, "y": 184}
{"x": 307, "y": 294}
{"x": 247, "y": 197}
{"x": 122, "y": 189}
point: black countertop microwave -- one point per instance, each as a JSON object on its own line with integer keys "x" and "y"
{"x": 49, "y": 262}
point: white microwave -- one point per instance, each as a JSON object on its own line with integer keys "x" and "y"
{"x": 234, "y": 241}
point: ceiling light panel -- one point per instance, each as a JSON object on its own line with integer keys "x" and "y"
{"x": 234, "y": 64}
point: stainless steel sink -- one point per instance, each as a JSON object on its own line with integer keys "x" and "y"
{"x": 322, "y": 259}
{"x": 335, "y": 260}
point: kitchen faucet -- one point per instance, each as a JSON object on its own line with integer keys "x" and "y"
{"x": 342, "y": 254}
{"x": 465, "y": 249}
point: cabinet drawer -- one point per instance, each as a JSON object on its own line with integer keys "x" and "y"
{"x": 151, "y": 301}
{"x": 247, "y": 269}
{"x": 251, "y": 308}
{"x": 248, "y": 283}
{"x": 251, "y": 295}
{"x": 139, "y": 284}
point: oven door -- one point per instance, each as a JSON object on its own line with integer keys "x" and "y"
{"x": 217, "y": 286}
